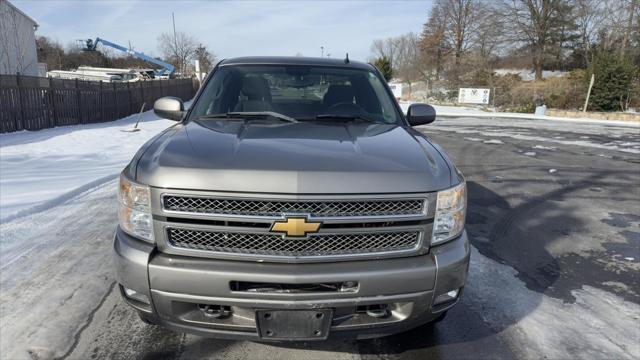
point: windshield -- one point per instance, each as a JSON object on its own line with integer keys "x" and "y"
{"x": 300, "y": 92}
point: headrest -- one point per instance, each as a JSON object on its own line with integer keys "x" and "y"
{"x": 256, "y": 87}
{"x": 338, "y": 94}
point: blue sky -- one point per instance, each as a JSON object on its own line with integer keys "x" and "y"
{"x": 233, "y": 28}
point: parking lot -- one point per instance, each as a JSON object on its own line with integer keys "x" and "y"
{"x": 554, "y": 220}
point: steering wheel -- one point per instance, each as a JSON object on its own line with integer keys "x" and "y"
{"x": 345, "y": 108}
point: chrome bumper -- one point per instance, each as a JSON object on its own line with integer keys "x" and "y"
{"x": 176, "y": 285}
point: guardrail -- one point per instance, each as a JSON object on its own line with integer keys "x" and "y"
{"x": 34, "y": 103}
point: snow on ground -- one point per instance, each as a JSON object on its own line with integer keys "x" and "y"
{"x": 547, "y": 133}
{"x": 44, "y": 168}
{"x": 629, "y": 147}
{"x": 459, "y": 111}
{"x": 598, "y": 325}
{"x": 55, "y": 278}
{"x": 49, "y": 180}
{"x": 55, "y": 268}
{"x": 529, "y": 75}
{"x": 493, "y": 142}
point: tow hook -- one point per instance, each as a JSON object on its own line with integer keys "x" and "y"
{"x": 215, "y": 311}
{"x": 378, "y": 311}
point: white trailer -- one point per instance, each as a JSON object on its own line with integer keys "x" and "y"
{"x": 129, "y": 75}
{"x": 72, "y": 75}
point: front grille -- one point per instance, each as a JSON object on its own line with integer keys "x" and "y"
{"x": 276, "y": 245}
{"x": 275, "y": 208}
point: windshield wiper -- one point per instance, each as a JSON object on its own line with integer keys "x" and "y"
{"x": 345, "y": 117}
{"x": 249, "y": 115}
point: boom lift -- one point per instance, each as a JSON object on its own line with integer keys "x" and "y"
{"x": 166, "y": 71}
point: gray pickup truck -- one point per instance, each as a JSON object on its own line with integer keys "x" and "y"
{"x": 292, "y": 201}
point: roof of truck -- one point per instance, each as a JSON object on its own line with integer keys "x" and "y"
{"x": 293, "y": 60}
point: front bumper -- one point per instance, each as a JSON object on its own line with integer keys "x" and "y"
{"x": 177, "y": 285}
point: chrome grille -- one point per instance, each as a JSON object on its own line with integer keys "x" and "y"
{"x": 275, "y": 208}
{"x": 275, "y": 245}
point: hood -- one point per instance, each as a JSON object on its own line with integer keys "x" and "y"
{"x": 293, "y": 158}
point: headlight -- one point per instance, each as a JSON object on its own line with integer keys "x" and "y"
{"x": 451, "y": 209}
{"x": 135, "y": 209}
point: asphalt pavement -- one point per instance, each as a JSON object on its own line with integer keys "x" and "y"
{"x": 553, "y": 217}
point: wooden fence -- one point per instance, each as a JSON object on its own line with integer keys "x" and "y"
{"x": 34, "y": 103}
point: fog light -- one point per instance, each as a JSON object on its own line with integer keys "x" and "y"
{"x": 447, "y": 297}
{"x": 134, "y": 295}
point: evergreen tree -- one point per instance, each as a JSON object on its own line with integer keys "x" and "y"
{"x": 614, "y": 77}
{"x": 384, "y": 65}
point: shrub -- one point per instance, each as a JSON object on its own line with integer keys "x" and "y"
{"x": 613, "y": 84}
{"x": 526, "y": 107}
{"x": 565, "y": 92}
{"x": 503, "y": 86}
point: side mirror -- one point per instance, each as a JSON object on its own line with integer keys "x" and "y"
{"x": 420, "y": 114}
{"x": 169, "y": 107}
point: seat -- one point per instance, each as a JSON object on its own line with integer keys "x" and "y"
{"x": 258, "y": 93}
{"x": 337, "y": 94}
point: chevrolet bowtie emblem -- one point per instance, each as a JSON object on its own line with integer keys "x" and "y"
{"x": 295, "y": 226}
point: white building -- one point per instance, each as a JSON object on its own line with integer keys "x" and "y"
{"x": 396, "y": 89}
{"x": 17, "y": 41}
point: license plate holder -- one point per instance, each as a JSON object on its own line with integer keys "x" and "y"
{"x": 294, "y": 324}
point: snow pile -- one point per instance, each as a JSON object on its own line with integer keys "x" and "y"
{"x": 45, "y": 168}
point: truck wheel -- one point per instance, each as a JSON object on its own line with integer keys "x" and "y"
{"x": 145, "y": 318}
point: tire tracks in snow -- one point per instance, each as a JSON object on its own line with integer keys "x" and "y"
{"x": 78, "y": 334}
{"x": 59, "y": 200}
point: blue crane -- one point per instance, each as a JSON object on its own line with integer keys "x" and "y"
{"x": 167, "y": 69}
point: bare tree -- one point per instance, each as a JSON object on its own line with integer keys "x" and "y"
{"x": 490, "y": 36}
{"x": 49, "y": 52}
{"x": 461, "y": 19}
{"x": 633, "y": 5}
{"x": 384, "y": 48}
{"x": 206, "y": 58}
{"x": 588, "y": 17}
{"x": 533, "y": 22}
{"x": 433, "y": 46}
{"x": 179, "y": 50}
{"x": 408, "y": 61}
{"x": 615, "y": 26}
{"x": 454, "y": 28}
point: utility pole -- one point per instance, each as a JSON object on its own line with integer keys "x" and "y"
{"x": 321, "y": 51}
{"x": 586, "y": 101}
{"x": 175, "y": 38}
